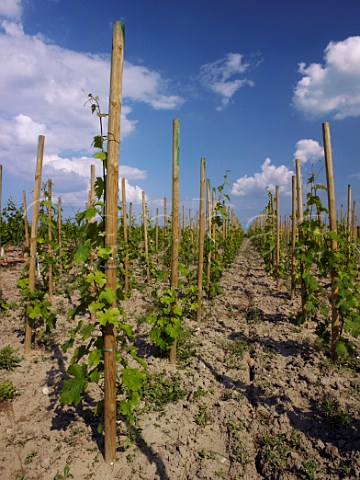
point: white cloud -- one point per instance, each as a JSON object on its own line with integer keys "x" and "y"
{"x": 266, "y": 179}
{"x": 332, "y": 88}
{"x": 145, "y": 85}
{"x": 222, "y": 76}
{"x": 308, "y": 150}
{"x": 10, "y": 9}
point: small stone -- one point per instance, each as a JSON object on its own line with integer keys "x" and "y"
{"x": 45, "y": 391}
{"x": 331, "y": 450}
{"x": 45, "y": 463}
{"x": 320, "y": 444}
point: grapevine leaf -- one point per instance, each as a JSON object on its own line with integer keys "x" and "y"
{"x": 110, "y": 315}
{"x": 74, "y": 387}
{"x": 82, "y": 252}
{"x": 94, "y": 357}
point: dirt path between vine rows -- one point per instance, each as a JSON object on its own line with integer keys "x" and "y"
{"x": 259, "y": 397}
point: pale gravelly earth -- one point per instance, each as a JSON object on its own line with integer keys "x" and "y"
{"x": 256, "y": 390}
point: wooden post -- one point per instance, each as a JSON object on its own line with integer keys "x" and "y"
{"x": 201, "y": 237}
{"x": 293, "y": 235}
{"x": 165, "y": 219}
{"x": 50, "y": 250}
{"x": 277, "y": 237}
{"x": 348, "y": 213}
{"x": 299, "y": 191}
{"x": 33, "y": 237}
{"x": 175, "y": 217}
{"x": 272, "y": 222}
{"x": 300, "y": 220}
{"x": 1, "y": 289}
{"x": 353, "y": 222}
{"x": 335, "y": 317}
{"x": 111, "y": 226}
{"x": 60, "y": 236}
{"x": 123, "y": 194}
{"x": 157, "y": 233}
{"x": 146, "y": 245}
{"x": 208, "y": 228}
{"x": 26, "y": 225}
{"x": 130, "y": 219}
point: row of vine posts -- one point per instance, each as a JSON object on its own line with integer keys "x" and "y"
{"x": 323, "y": 258}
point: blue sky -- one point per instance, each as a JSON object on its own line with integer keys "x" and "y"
{"x": 250, "y": 81}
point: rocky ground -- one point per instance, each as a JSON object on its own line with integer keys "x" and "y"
{"x": 253, "y": 397}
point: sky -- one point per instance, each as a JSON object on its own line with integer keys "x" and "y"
{"x": 251, "y": 82}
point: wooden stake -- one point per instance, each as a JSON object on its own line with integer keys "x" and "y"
{"x": 175, "y": 217}
{"x": 60, "y": 236}
{"x": 300, "y": 220}
{"x": 157, "y": 233}
{"x": 348, "y": 214}
{"x": 50, "y": 250}
{"x": 208, "y": 228}
{"x": 353, "y": 222}
{"x": 293, "y": 236}
{"x": 201, "y": 237}
{"x": 299, "y": 191}
{"x": 277, "y": 237}
{"x": 26, "y": 224}
{"x": 33, "y": 237}
{"x": 130, "y": 219}
{"x": 146, "y": 244}
{"x": 123, "y": 193}
{"x": 1, "y": 289}
{"x": 111, "y": 226}
{"x": 335, "y": 317}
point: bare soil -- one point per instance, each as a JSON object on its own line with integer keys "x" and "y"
{"x": 261, "y": 399}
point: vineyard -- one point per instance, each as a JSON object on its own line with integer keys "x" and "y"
{"x": 174, "y": 345}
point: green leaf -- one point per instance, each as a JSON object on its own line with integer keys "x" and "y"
{"x": 90, "y": 212}
{"x": 74, "y": 387}
{"x": 107, "y": 296}
{"x": 100, "y": 155}
{"x": 341, "y": 349}
{"x": 94, "y": 357}
{"x": 82, "y": 252}
{"x": 98, "y": 277}
{"x": 132, "y": 378}
{"x": 110, "y": 315}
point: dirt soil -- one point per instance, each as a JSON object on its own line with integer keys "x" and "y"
{"x": 261, "y": 400}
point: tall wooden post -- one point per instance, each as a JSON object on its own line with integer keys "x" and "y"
{"x": 277, "y": 237}
{"x": 353, "y": 222}
{"x": 50, "y": 250}
{"x": 208, "y": 228}
{"x": 111, "y": 226}
{"x": 146, "y": 244}
{"x": 293, "y": 235}
{"x": 125, "y": 232}
{"x": 300, "y": 220}
{"x": 201, "y": 238}
{"x": 26, "y": 225}
{"x": 175, "y": 216}
{"x": 33, "y": 237}
{"x": 348, "y": 212}
{"x": 60, "y": 236}
{"x": 335, "y": 317}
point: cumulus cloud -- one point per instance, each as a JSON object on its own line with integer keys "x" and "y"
{"x": 43, "y": 90}
{"x": 10, "y": 9}
{"x": 226, "y": 75}
{"x": 333, "y": 87}
{"x": 308, "y": 151}
{"x": 266, "y": 179}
